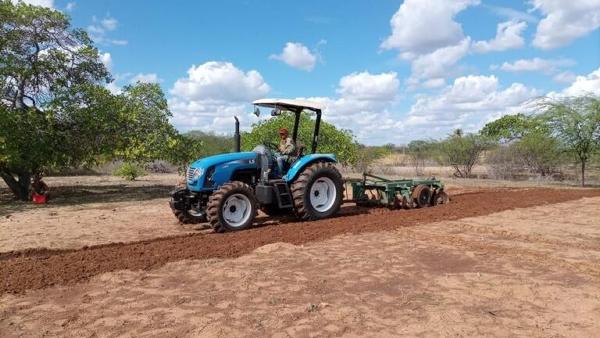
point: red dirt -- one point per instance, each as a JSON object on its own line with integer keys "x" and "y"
{"x": 35, "y": 269}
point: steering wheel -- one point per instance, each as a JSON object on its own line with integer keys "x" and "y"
{"x": 272, "y": 146}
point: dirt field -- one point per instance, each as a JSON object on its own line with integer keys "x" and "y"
{"x": 497, "y": 261}
{"x": 92, "y": 210}
{"x": 524, "y": 272}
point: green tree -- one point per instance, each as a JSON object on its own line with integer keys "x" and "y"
{"x": 54, "y": 109}
{"x": 331, "y": 140}
{"x": 144, "y": 132}
{"x": 418, "y": 151}
{"x": 462, "y": 152}
{"x": 539, "y": 152}
{"x": 530, "y": 140}
{"x": 576, "y": 123}
{"x": 509, "y": 128}
{"x": 211, "y": 143}
{"x": 42, "y": 61}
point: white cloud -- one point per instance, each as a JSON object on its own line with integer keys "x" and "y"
{"x": 585, "y": 85}
{"x": 70, "y": 6}
{"x": 547, "y": 66}
{"x": 212, "y": 93}
{"x": 296, "y": 55}
{"x": 109, "y": 23}
{"x": 363, "y": 104}
{"x": 42, "y": 3}
{"x": 565, "y": 77}
{"x": 434, "y": 83}
{"x": 113, "y": 87}
{"x": 365, "y": 86}
{"x": 565, "y": 21}
{"x": 423, "y": 26}
{"x": 106, "y": 59}
{"x": 220, "y": 81}
{"x": 508, "y": 36}
{"x": 146, "y": 78}
{"x": 513, "y": 14}
{"x": 438, "y": 64}
{"x": 99, "y": 29}
{"x": 468, "y": 103}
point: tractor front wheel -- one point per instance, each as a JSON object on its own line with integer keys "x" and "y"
{"x": 187, "y": 217}
{"x": 318, "y": 191}
{"x": 232, "y": 207}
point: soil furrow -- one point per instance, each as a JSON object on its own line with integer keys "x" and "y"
{"x": 34, "y": 269}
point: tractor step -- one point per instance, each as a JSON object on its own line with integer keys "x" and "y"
{"x": 283, "y": 194}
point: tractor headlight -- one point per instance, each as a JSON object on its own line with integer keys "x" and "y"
{"x": 194, "y": 173}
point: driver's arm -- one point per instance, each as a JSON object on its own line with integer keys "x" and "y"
{"x": 288, "y": 148}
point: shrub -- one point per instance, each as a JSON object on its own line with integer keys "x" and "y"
{"x": 462, "y": 152}
{"x": 130, "y": 171}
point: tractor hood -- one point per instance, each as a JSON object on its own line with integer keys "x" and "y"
{"x": 213, "y": 171}
{"x": 207, "y": 162}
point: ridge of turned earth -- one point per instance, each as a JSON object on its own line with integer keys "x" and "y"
{"x": 39, "y": 268}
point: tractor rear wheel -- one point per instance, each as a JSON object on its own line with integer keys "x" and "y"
{"x": 318, "y": 191}
{"x": 422, "y": 196}
{"x": 232, "y": 207}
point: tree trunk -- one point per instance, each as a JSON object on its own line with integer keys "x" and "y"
{"x": 583, "y": 173}
{"x": 20, "y": 187}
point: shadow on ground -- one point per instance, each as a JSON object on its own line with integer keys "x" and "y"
{"x": 74, "y": 195}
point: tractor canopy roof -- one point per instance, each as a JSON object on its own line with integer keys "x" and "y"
{"x": 291, "y": 104}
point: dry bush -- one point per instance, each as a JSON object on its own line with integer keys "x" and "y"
{"x": 502, "y": 163}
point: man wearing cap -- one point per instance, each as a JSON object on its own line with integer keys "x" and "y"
{"x": 286, "y": 148}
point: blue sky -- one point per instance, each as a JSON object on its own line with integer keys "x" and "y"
{"x": 389, "y": 70}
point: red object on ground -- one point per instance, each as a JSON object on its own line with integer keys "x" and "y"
{"x": 38, "y": 199}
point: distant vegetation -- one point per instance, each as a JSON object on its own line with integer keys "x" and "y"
{"x": 564, "y": 131}
{"x": 211, "y": 143}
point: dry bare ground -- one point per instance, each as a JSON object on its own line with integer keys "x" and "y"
{"x": 524, "y": 272}
{"x": 92, "y": 210}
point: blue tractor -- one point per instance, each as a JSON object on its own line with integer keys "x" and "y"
{"x": 227, "y": 190}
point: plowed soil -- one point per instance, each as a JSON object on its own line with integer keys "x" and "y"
{"x": 35, "y": 269}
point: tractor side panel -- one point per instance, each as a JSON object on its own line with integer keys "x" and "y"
{"x": 224, "y": 172}
{"x": 304, "y": 161}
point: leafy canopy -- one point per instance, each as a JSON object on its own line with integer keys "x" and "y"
{"x": 54, "y": 109}
{"x": 331, "y": 140}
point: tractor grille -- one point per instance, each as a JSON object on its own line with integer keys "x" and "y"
{"x": 190, "y": 174}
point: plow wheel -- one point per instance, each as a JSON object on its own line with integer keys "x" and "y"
{"x": 422, "y": 196}
{"x": 318, "y": 191}
{"x": 441, "y": 198}
{"x": 232, "y": 207}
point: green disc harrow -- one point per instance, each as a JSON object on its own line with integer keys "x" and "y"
{"x": 373, "y": 190}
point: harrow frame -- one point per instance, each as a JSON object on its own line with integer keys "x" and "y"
{"x": 374, "y": 190}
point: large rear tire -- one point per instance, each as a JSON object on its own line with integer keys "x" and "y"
{"x": 318, "y": 191}
{"x": 232, "y": 207}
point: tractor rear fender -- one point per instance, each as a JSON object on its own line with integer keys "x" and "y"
{"x": 305, "y": 161}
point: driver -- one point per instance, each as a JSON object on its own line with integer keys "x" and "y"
{"x": 286, "y": 148}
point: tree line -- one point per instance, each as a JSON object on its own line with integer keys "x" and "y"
{"x": 564, "y": 130}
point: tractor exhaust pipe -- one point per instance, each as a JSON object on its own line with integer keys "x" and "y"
{"x": 236, "y": 136}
